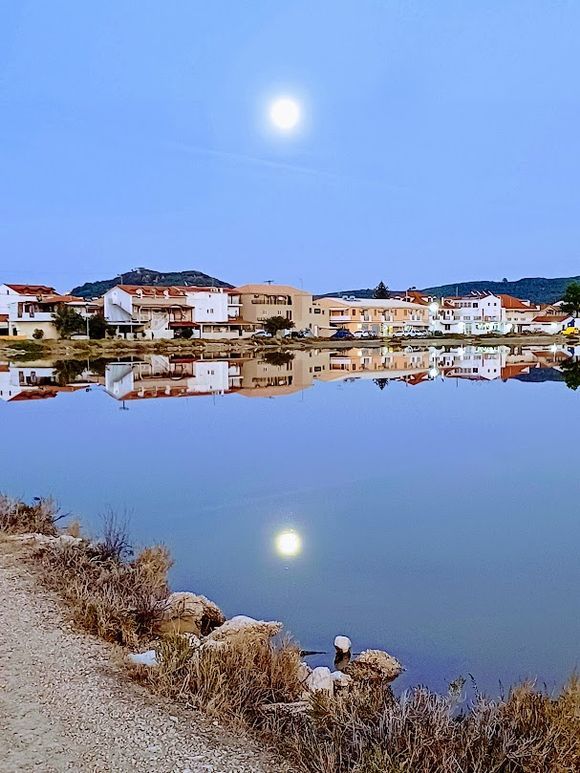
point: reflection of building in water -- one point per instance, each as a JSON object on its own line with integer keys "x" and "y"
{"x": 40, "y": 381}
{"x": 408, "y": 365}
{"x": 160, "y": 376}
{"x": 278, "y": 374}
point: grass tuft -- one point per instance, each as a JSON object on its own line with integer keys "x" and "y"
{"x": 18, "y": 517}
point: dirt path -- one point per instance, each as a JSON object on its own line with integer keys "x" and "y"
{"x": 65, "y": 707}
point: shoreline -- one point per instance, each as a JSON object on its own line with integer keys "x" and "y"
{"x": 237, "y": 671}
{"x": 18, "y": 349}
{"x": 66, "y": 702}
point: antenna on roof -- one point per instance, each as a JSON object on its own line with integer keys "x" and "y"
{"x": 268, "y": 281}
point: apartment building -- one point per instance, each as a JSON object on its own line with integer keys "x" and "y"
{"x": 258, "y": 302}
{"x": 154, "y": 312}
{"x": 37, "y": 381}
{"x": 377, "y": 316}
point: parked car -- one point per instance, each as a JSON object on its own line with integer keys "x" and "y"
{"x": 362, "y": 334}
{"x": 261, "y": 334}
{"x": 342, "y": 334}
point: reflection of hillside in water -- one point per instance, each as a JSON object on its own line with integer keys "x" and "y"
{"x": 276, "y": 374}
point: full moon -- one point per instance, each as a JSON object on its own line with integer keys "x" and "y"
{"x": 285, "y": 113}
{"x": 288, "y": 543}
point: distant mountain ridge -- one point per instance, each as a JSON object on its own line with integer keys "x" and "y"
{"x": 148, "y": 276}
{"x": 535, "y": 289}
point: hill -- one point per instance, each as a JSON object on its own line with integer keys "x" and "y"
{"x": 536, "y": 289}
{"x": 147, "y": 276}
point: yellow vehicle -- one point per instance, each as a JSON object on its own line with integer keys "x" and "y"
{"x": 571, "y": 331}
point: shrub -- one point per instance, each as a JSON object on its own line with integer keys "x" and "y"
{"x": 21, "y": 518}
{"x": 38, "y": 334}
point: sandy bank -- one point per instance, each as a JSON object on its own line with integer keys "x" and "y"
{"x": 65, "y": 706}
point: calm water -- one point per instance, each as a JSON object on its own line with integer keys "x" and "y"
{"x": 436, "y": 493}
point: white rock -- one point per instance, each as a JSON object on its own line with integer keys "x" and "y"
{"x": 340, "y": 679}
{"x": 304, "y": 671}
{"x": 240, "y": 626}
{"x": 342, "y": 643}
{"x": 148, "y": 658}
{"x": 320, "y": 680}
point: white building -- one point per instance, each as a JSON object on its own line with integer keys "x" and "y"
{"x": 27, "y": 311}
{"x": 135, "y": 311}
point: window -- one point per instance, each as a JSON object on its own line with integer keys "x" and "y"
{"x": 317, "y": 311}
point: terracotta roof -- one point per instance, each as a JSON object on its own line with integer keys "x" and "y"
{"x": 32, "y": 289}
{"x": 510, "y": 302}
{"x": 551, "y": 318}
{"x": 266, "y": 289}
{"x": 172, "y": 291}
{"x": 3, "y": 317}
{"x": 60, "y": 299}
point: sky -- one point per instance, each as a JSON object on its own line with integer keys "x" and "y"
{"x": 439, "y": 142}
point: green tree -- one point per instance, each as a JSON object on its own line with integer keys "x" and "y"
{"x": 274, "y": 325}
{"x": 38, "y": 334}
{"x": 98, "y": 326}
{"x": 571, "y": 299}
{"x": 68, "y": 321}
{"x": 571, "y": 371}
{"x": 381, "y": 291}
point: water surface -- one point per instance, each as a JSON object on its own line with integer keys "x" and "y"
{"x": 435, "y": 492}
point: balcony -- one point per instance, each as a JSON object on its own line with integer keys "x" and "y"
{"x": 340, "y": 318}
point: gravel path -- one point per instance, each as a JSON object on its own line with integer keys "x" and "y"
{"x": 65, "y": 707}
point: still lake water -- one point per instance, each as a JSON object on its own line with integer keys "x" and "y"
{"x": 436, "y": 493}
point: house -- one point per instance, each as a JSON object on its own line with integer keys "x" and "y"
{"x": 377, "y": 316}
{"x": 155, "y": 312}
{"x": 258, "y": 302}
{"x": 382, "y": 363}
{"x": 476, "y": 314}
{"x": 518, "y": 313}
{"x": 550, "y": 319}
{"x": 27, "y": 311}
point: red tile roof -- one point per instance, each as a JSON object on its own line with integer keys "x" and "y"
{"x": 157, "y": 291}
{"x": 32, "y": 289}
{"x": 551, "y": 318}
{"x": 510, "y": 302}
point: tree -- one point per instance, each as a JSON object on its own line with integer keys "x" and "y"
{"x": 98, "y": 326}
{"x": 571, "y": 371}
{"x": 68, "y": 321}
{"x": 280, "y": 359}
{"x": 381, "y": 382}
{"x": 381, "y": 291}
{"x": 38, "y": 334}
{"x": 571, "y": 299}
{"x": 274, "y": 325}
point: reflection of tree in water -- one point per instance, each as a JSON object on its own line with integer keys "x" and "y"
{"x": 67, "y": 371}
{"x": 571, "y": 371}
{"x": 381, "y": 382}
{"x": 277, "y": 358}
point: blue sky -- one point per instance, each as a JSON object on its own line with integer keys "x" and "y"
{"x": 440, "y": 140}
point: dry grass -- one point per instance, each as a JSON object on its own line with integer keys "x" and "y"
{"x": 18, "y": 517}
{"x": 110, "y": 595}
{"x": 370, "y": 731}
{"x": 232, "y": 682}
{"x": 365, "y": 729}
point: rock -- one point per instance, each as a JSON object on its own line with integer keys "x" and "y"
{"x": 341, "y": 679}
{"x": 189, "y": 613}
{"x": 320, "y": 680}
{"x": 45, "y": 539}
{"x": 148, "y": 658}
{"x": 304, "y": 671}
{"x": 342, "y": 643}
{"x": 374, "y": 665}
{"x": 240, "y": 628}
